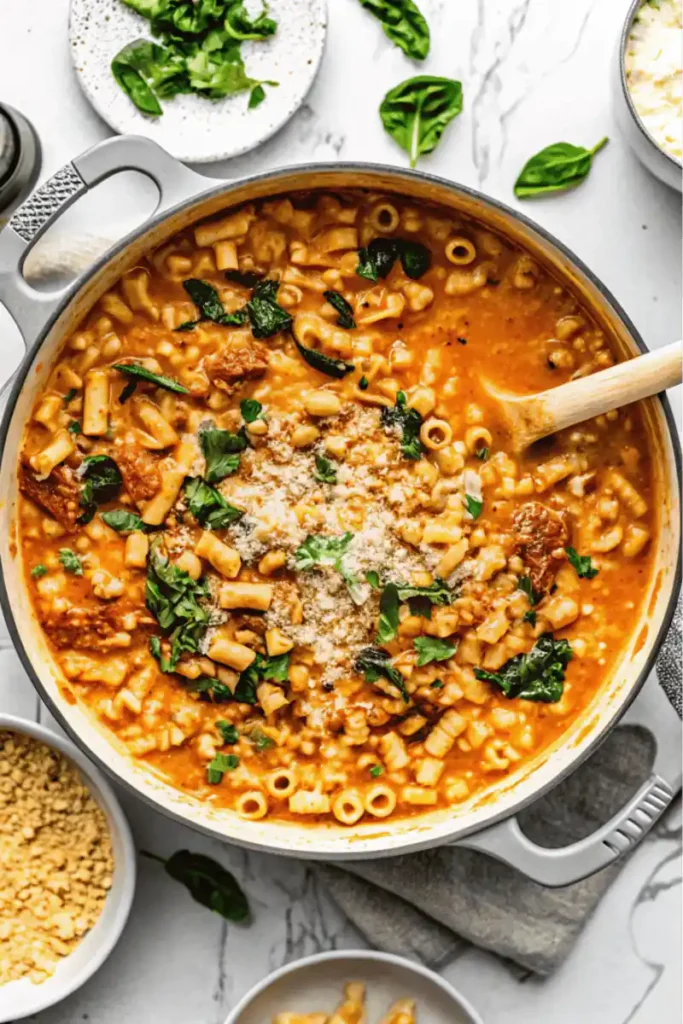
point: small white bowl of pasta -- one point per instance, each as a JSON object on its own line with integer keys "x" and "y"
{"x": 348, "y": 986}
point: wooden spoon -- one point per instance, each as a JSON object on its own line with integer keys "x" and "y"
{"x": 532, "y": 417}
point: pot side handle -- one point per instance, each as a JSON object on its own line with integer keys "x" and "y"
{"x": 32, "y": 309}
{"x": 558, "y": 867}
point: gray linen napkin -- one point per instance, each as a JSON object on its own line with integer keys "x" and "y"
{"x": 429, "y": 905}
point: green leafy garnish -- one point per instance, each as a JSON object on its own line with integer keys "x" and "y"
{"x": 219, "y": 765}
{"x": 416, "y": 112}
{"x": 482, "y": 454}
{"x": 208, "y": 505}
{"x": 274, "y": 669}
{"x": 102, "y": 483}
{"x": 530, "y": 617}
{"x": 363, "y": 383}
{"x": 128, "y": 391}
{"x": 336, "y": 368}
{"x": 373, "y": 579}
{"x": 210, "y": 689}
{"x": 473, "y": 505}
{"x": 173, "y": 597}
{"x": 377, "y": 259}
{"x": 239, "y": 25}
{"x": 526, "y": 586}
{"x": 436, "y": 593}
{"x": 582, "y": 563}
{"x": 122, "y": 521}
{"x": 555, "y": 169}
{"x": 318, "y": 550}
{"x": 376, "y": 770}
{"x": 387, "y": 628}
{"x": 409, "y": 422}
{"x": 430, "y": 648}
{"x": 251, "y": 410}
{"x": 247, "y": 278}
{"x": 207, "y": 301}
{"x": 228, "y": 731}
{"x": 74, "y": 427}
{"x": 260, "y": 740}
{"x": 256, "y": 96}
{"x": 70, "y": 561}
{"x": 137, "y": 65}
{"x": 403, "y": 24}
{"x": 373, "y": 662}
{"x": 70, "y": 395}
{"x": 343, "y": 308}
{"x": 207, "y": 882}
{"x": 38, "y": 570}
{"x": 325, "y": 470}
{"x": 265, "y": 315}
{"x": 438, "y": 684}
{"x": 538, "y": 675}
{"x": 222, "y": 450}
{"x": 137, "y": 373}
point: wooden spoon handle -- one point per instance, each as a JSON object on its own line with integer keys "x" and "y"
{"x": 598, "y": 393}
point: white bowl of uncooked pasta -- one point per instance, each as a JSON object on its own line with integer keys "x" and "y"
{"x": 68, "y": 873}
{"x": 347, "y": 986}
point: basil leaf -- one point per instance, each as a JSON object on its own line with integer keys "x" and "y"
{"x": 256, "y": 97}
{"x": 138, "y": 372}
{"x": 38, "y": 570}
{"x": 228, "y": 731}
{"x": 373, "y": 662}
{"x": 247, "y": 278}
{"x": 251, "y": 410}
{"x": 325, "y": 471}
{"x": 207, "y": 301}
{"x": 221, "y": 449}
{"x": 71, "y": 561}
{"x": 319, "y": 550}
{"x": 219, "y": 765}
{"x": 582, "y": 563}
{"x": 416, "y": 112}
{"x": 430, "y": 648}
{"x": 239, "y": 25}
{"x": 436, "y": 593}
{"x": 409, "y": 422}
{"x": 474, "y": 506}
{"x": 388, "y": 614}
{"x": 259, "y": 739}
{"x": 131, "y": 66}
{"x": 336, "y": 368}
{"x": 207, "y": 882}
{"x": 173, "y": 597}
{"x": 373, "y": 579}
{"x": 102, "y": 483}
{"x": 208, "y": 505}
{"x": 74, "y": 427}
{"x": 378, "y": 258}
{"x": 265, "y": 315}
{"x": 276, "y": 668}
{"x": 416, "y": 259}
{"x": 538, "y": 675}
{"x": 403, "y": 24}
{"x": 343, "y": 308}
{"x": 122, "y": 521}
{"x": 211, "y": 689}
{"x": 555, "y": 169}
{"x": 526, "y": 586}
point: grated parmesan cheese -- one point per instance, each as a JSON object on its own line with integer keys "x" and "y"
{"x": 654, "y": 72}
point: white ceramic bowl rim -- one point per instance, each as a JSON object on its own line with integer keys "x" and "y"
{"x": 625, "y": 33}
{"x": 55, "y": 988}
{"x": 350, "y": 954}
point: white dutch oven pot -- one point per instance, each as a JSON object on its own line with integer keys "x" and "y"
{"x": 485, "y": 823}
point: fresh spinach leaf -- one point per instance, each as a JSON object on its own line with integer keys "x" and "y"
{"x": 555, "y": 169}
{"x": 437, "y": 593}
{"x": 530, "y": 617}
{"x": 247, "y": 278}
{"x": 208, "y": 505}
{"x": 207, "y": 882}
{"x": 538, "y": 675}
{"x": 219, "y": 765}
{"x": 207, "y": 301}
{"x": 403, "y": 23}
{"x": 123, "y": 521}
{"x": 582, "y": 564}
{"x": 526, "y": 586}
{"x": 256, "y": 96}
{"x": 430, "y": 648}
{"x": 102, "y": 482}
{"x": 137, "y": 373}
{"x": 373, "y": 663}
{"x": 71, "y": 561}
{"x": 251, "y": 410}
{"x": 416, "y": 112}
{"x": 318, "y": 550}
{"x": 343, "y": 308}
{"x": 266, "y": 316}
{"x": 336, "y": 368}
{"x": 325, "y": 470}
{"x": 377, "y": 259}
{"x": 409, "y": 422}
{"x": 239, "y": 25}
{"x": 128, "y": 391}
{"x": 228, "y": 731}
{"x": 132, "y": 66}
{"x": 388, "y": 614}
{"x": 173, "y": 598}
{"x": 222, "y": 450}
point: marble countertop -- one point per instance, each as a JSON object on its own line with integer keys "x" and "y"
{"x": 533, "y": 73}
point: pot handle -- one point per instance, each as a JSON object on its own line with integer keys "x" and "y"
{"x": 32, "y": 309}
{"x": 557, "y": 867}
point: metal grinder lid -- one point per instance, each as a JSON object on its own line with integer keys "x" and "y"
{"x": 19, "y": 156}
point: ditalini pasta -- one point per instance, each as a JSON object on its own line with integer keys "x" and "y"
{"x": 275, "y": 533}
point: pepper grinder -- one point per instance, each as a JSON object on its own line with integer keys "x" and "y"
{"x": 20, "y": 157}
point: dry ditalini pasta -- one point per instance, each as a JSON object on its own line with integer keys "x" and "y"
{"x": 275, "y": 531}
{"x": 55, "y": 858}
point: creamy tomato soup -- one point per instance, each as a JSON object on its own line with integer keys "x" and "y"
{"x": 275, "y": 531}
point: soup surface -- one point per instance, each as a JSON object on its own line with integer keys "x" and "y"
{"x": 275, "y": 531}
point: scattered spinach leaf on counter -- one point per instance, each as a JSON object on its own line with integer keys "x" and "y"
{"x": 228, "y": 731}
{"x": 373, "y": 663}
{"x": 389, "y": 602}
{"x": 325, "y": 470}
{"x": 430, "y": 648}
{"x": 343, "y": 308}
{"x": 251, "y": 410}
{"x": 222, "y": 450}
{"x": 207, "y": 882}
{"x": 208, "y": 505}
{"x": 38, "y": 570}
{"x": 474, "y": 505}
{"x": 538, "y": 675}
{"x": 416, "y": 112}
{"x": 219, "y": 765}
{"x": 123, "y": 521}
{"x": 409, "y": 422}
{"x": 266, "y": 316}
{"x": 555, "y": 169}
{"x": 583, "y": 565}
{"x": 336, "y": 368}
{"x": 102, "y": 483}
{"x": 173, "y": 597}
{"x": 403, "y": 23}
{"x": 137, "y": 373}
{"x": 70, "y": 561}
{"x": 379, "y": 256}
{"x": 526, "y": 586}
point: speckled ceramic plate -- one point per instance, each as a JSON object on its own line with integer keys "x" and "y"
{"x": 192, "y": 128}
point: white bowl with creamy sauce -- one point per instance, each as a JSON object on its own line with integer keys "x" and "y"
{"x": 649, "y": 86}
{"x": 46, "y": 984}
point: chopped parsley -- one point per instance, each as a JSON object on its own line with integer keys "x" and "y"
{"x": 221, "y": 764}
{"x": 483, "y": 454}
{"x": 228, "y": 731}
{"x": 251, "y": 410}
{"x": 38, "y": 570}
{"x": 376, "y": 771}
{"x": 259, "y": 739}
